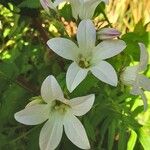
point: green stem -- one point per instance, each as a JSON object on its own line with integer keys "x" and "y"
{"x": 23, "y": 135}
{"x": 18, "y": 83}
{"x": 106, "y": 18}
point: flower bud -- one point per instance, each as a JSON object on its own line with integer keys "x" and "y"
{"x": 107, "y": 33}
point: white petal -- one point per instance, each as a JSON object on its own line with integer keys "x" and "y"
{"x": 107, "y": 49}
{"x": 57, "y": 2}
{"x": 51, "y": 133}
{"x": 88, "y": 7}
{"x": 44, "y": 5}
{"x": 135, "y": 89}
{"x": 76, "y": 132}
{"x": 129, "y": 75}
{"x": 75, "y": 5}
{"x": 81, "y": 105}
{"x": 51, "y": 4}
{"x": 75, "y": 75}
{"x": 144, "y": 100}
{"x": 143, "y": 57}
{"x": 33, "y": 115}
{"x": 144, "y": 82}
{"x": 50, "y": 90}
{"x": 105, "y": 72}
{"x": 64, "y": 48}
{"x": 86, "y": 36}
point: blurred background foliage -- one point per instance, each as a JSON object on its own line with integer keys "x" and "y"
{"x": 117, "y": 120}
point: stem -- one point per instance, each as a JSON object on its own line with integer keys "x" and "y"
{"x": 22, "y": 83}
{"x": 105, "y": 16}
{"x": 23, "y": 135}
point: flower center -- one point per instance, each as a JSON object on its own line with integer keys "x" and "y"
{"x": 84, "y": 62}
{"x": 60, "y": 106}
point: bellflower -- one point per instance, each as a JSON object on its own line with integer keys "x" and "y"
{"x": 59, "y": 112}
{"x": 84, "y": 9}
{"x": 86, "y": 56}
{"x": 133, "y": 76}
{"x": 107, "y": 33}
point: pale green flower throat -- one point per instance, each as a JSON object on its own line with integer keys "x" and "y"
{"x": 60, "y": 106}
{"x": 84, "y": 62}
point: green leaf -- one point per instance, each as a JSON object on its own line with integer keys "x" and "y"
{"x": 111, "y": 134}
{"x": 8, "y": 70}
{"x": 122, "y": 144}
{"x": 13, "y": 97}
{"x": 144, "y": 137}
{"x": 132, "y": 140}
{"x": 89, "y": 129}
{"x": 30, "y": 4}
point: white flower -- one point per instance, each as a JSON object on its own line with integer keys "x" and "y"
{"x": 133, "y": 76}
{"x": 107, "y": 33}
{"x": 84, "y": 9}
{"x": 59, "y": 112}
{"x": 86, "y": 56}
{"x": 80, "y": 8}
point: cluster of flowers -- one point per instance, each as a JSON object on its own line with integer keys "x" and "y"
{"x": 87, "y": 57}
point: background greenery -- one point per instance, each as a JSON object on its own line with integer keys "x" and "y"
{"x": 117, "y": 120}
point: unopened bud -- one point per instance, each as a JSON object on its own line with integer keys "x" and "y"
{"x": 108, "y": 33}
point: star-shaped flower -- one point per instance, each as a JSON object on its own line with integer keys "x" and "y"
{"x": 86, "y": 56}
{"x": 84, "y": 9}
{"x": 59, "y": 112}
{"x": 133, "y": 76}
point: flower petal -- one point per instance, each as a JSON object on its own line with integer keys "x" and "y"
{"x": 81, "y": 105}
{"x": 44, "y": 5}
{"x": 64, "y": 48}
{"x": 108, "y": 33}
{"x": 57, "y": 2}
{"x": 105, "y": 72}
{"x": 144, "y": 100}
{"x": 86, "y": 36}
{"x": 135, "y": 89}
{"x": 51, "y": 133}
{"x": 143, "y": 57}
{"x": 75, "y": 5}
{"x": 33, "y": 115}
{"x": 107, "y": 49}
{"x": 76, "y": 132}
{"x": 50, "y": 90}
{"x": 129, "y": 75}
{"x": 87, "y": 9}
{"x": 144, "y": 82}
{"x": 75, "y": 75}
